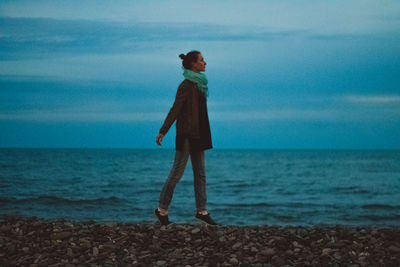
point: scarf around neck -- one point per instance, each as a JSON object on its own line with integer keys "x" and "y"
{"x": 199, "y": 78}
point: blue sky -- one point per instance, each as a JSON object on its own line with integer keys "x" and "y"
{"x": 282, "y": 74}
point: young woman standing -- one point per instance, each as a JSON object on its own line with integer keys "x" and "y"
{"x": 193, "y": 136}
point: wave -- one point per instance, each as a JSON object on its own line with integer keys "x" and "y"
{"x": 381, "y": 206}
{"x": 379, "y": 218}
{"x": 54, "y": 200}
{"x": 351, "y": 189}
{"x": 283, "y": 204}
{"x": 262, "y": 204}
{"x": 284, "y": 218}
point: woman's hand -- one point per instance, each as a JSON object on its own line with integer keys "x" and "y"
{"x": 159, "y": 139}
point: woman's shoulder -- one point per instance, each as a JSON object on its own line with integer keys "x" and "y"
{"x": 186, "y": 82}
{"x": 186, "y": 85}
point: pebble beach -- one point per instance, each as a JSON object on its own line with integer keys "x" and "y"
{"x": 31, "y": 241}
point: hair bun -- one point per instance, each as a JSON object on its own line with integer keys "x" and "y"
{"x": 182, "y": 56}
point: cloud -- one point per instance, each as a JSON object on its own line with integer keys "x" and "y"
{"x": 98, "y": 114}
{"x": 372, "y": 99}
{"x": 345, "y": 37}
{"x": 43, "y": 36}
{"x": 23, "y": 38}
{"x": 292, "y": 114}
{"x": 59, "y": 116}
{"x": 343, "y": 16}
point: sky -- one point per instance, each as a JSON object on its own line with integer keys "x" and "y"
{"x": 282, "y": 74}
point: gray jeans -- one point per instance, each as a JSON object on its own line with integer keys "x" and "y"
{"x": 199, "y": 173}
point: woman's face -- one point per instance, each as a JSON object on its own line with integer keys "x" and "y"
{"x": 199, "y": 65}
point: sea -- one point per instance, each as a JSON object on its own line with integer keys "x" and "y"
{"x": 244, "y": 187}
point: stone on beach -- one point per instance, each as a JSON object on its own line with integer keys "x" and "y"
{"x": 39, "y": 242}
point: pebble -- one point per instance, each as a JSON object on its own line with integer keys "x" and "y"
{"x": 233, "y": 260}
{"x": 237, "y": 245}
{"x": 69, "y": 243}
{"x": 195, "y": 230}
{"x": 326, "y": 251}
{"x": 289, "y": 252}
{"x": 69, "y": 252}
{"x": 161, "y": 263}
{"x": 337, "y": 256}
{"x": 267, "y": 251}
{"x": 95, "y": 251}
{"x": 296, "y": 244}
{"x": 60, "y": 236}
{"x": 394, "y": 249}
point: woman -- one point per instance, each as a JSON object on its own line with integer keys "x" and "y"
{"x": 193, "y": 136}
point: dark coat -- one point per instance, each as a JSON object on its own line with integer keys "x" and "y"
{"x": 185, "y": 111}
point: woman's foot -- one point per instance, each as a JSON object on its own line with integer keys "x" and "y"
{"x": 163, "y": 219}
{"x": 205, "y": 218}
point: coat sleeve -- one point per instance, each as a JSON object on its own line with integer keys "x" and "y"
{"x": 180, "y": 98}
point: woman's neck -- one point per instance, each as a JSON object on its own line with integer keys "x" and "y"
{"x": 195, "y": 71}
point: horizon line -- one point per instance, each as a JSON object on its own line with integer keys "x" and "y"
{"x": 231, "y": 148}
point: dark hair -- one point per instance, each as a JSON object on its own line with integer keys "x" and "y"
{"x": 189, "y": 58}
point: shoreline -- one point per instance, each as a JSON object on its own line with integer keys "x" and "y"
{"x": 32, "y": 241}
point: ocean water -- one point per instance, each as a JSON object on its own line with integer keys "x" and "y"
{"x": 244, "y": 187}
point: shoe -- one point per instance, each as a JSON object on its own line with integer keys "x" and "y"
{"x": 163, "y": 219}
{"x": 205, "y": 218}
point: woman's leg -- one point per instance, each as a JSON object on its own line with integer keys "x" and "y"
{"x": 199, "y": 174}
{"x": 181, "y": 158}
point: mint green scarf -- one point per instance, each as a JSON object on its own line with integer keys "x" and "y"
{"x": 199, "y": 78}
